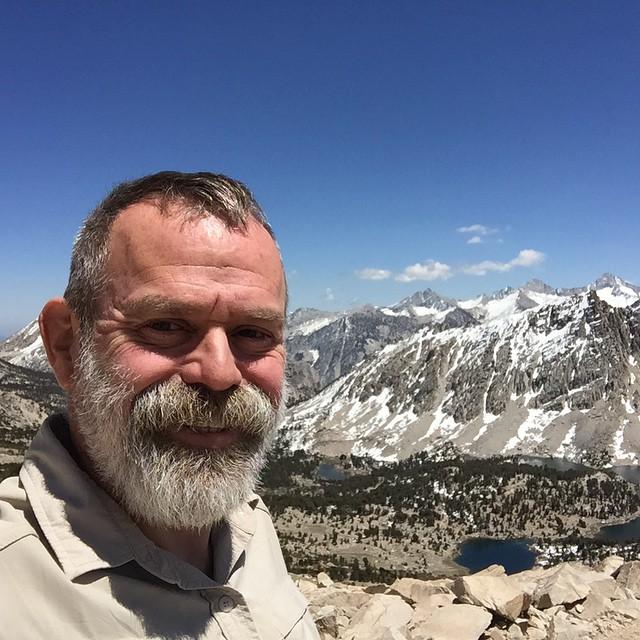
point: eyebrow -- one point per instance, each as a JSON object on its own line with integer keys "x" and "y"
{"x": 169, "y": 306}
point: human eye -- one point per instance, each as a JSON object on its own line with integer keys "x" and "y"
{"x": 163, "y": 332}
{"x": 254, "y": 338}
{"x": 164, "y": 326}
{"x": 252, "y": 333}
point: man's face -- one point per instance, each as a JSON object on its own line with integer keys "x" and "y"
{"x": 177, "y": 391}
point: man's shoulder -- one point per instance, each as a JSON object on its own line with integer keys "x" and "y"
{"x": 15, "y": 523}
{"x": 263, "y": 519}
{"x": 257, "y": 503}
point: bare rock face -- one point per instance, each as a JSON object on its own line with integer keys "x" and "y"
{"x": 27, "y": 397}
{"x": 326, "y": 619}
{"x": 528, "y": 580}
{"x": 594, "y": 606}
{"x": 628, "y": 608}
{"x": 579, "y": 603}
{"x": 563, "y": 626}
{"x": 346, "y": 600}
{"x": 383, "y": 615}
{"x": 324, "y": 580}
{"x": 323, "y": 348}
{"x": 451, "y": 622}
{"x": 492, "y": 570}
{"x": 629, "y": 577}
{"x": 611, "y": 565}
{"x": 564, "y": 586}
{"x": 417, "y": 591}
{"x": 608, "y": 588}
{"x": 496, "y": 593}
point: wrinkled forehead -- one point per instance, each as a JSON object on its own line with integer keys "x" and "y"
{"x": 143, "y": 238}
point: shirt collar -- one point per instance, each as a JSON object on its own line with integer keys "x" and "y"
{"x": 87, "y": 530}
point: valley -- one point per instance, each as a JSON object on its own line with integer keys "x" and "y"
{"x": 388, "y": 520}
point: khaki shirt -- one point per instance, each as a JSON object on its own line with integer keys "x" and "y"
{"x": 73, "y": 565}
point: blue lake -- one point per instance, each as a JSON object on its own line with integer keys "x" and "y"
{"x": 626, "y": 532}
{"x": 631, "y": 472}
{"x": 559, "y": 464}
{"x": 328, "y": 471}
{"x": 479, "y": 553}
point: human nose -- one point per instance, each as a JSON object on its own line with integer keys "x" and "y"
{"x": 212, "y": 363}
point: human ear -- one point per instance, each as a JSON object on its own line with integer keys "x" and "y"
{"x": 59, "y": 335}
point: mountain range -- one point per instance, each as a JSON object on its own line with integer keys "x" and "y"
{"x": 529, "y": 370}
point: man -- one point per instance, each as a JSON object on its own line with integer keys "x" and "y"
{"x": 134, "y": 515}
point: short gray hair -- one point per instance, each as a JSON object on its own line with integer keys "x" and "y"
{"x": 203, "y": 194}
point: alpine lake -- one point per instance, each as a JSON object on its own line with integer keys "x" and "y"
{"x": 516, "y": 555}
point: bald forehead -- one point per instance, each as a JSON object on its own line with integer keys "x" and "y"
{"x": 144, "y": 237}
{"x": 135, "y": 222}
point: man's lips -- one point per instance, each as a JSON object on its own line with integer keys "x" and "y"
{"x": 205, "y": 439}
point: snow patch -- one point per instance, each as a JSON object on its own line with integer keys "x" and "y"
{"x": 619, "y": 451}
{"x": 531, "y": 429}
{"x": 567, "y": 442}
{"x": 545, "y": 298}
{"x": 618, "y": 296}
{"x": 391, "y": 312}
{"x": 311, "y": 326}
{"x": 470, "y": 304}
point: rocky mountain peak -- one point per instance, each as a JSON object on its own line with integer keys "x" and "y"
{"x": 524, "y": 302}
{"x": 303, "y": 314}
{"x": 606, "y": 280}
{"x": 538, "y": 286}
{"x": 614, "y": 282}
{"x": 25, "y": 348}
{"x": 501, "y": 293}
{"x": 428, "y": 299}
{"x": 557, "y": 379}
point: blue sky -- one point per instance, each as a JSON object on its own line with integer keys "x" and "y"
{"x": 371, "y": 132}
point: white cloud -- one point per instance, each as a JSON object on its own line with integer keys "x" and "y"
{"x": 477, "y": 229}
{"x": 484, "y": 267}
{"x": 475, "y": 240}
{"x": 526, "y": 258}
{"x": 430, "y": 270}
{"x": 373, "y": 274}
{"x": 328, "y": 295}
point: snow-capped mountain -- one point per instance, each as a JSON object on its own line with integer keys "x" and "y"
{"x": 307, "y": 321}
{"x": 25, "y": 349}
{"x": 324, "y": 348}
{"x": 559, "y": 379}
{"x": 615, "y": 291}
{"x": 429, "y": 307}
{"x": 508, "y": 301}
{"x": 422, "y": 304}
{"x": 534, "y": 370}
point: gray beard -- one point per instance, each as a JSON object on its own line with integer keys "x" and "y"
{"x": 154, "y": 479}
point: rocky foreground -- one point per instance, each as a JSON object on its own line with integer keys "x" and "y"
{"x": 567, "y": 602}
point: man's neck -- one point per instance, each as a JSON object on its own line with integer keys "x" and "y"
{"x": 192, "y": 546}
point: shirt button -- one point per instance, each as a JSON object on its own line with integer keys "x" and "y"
{"x": 226, "y": 604}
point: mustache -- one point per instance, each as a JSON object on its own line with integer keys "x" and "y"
{"x": 172, "y": 405}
